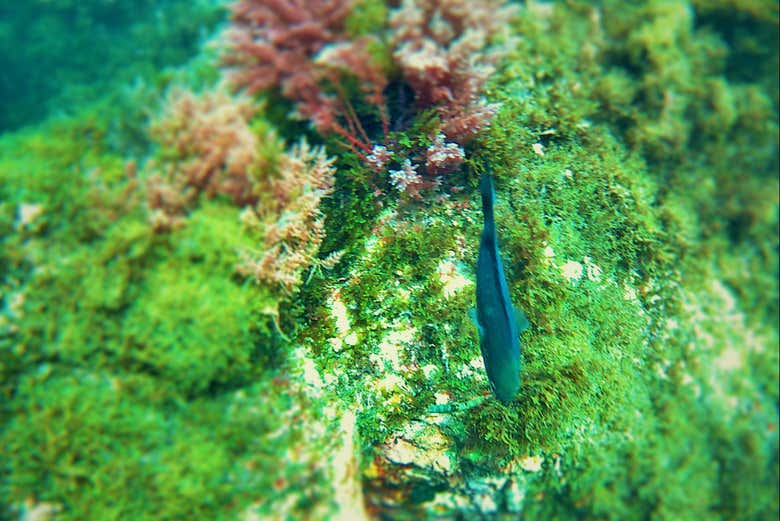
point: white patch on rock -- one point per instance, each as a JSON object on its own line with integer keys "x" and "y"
{"x": 429, "y": 369}
{"x": 451, "y": 278}
{"x": 348, "y": 492}
{"x": 43, "y": 511}
{"x": 449, "y": 501}
{"x": 339, "y": 313}
{"x": 16, "y": 304}
{"x": 442, "y": 398}
{"x": 389, "y": 383}
{"x": 592, "y": 271}
{"x": 729, "y": 360}
{"x": 391, "y": 347}
{"x": 477, "y": 363}
{"x": 310, "y": 373}
{"x": 572, "y": 271}
{"x": 27, "y": 213}
{"x": 514, "y": 496}
{"x": 629, "y": 293}
{"x": 532, "y": 463}
{"x": 729, "y": 302}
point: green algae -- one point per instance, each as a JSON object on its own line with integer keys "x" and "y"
{"x": 110, "y": 377}
{"x": 601, "y": 350}
{"x": 636, "y": 168}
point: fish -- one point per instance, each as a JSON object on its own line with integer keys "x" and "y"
{"x": 499, "y": 323}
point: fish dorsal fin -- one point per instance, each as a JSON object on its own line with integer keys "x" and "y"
{"x": 521, "y": 319}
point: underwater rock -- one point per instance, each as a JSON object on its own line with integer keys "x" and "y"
{"x": 635, "y": 144}
{"x": 419, "y": 472}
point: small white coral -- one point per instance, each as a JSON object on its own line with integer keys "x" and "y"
{"x": 407, "y": 179}
{"x": 443, "y": 157}
{"x": 378, "y": 157}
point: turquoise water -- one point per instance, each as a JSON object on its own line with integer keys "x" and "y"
{"x": 58, "y": 55}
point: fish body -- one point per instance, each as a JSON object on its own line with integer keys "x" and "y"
{"x": 498, "y": 322}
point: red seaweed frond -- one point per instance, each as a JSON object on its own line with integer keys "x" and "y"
{"x": 441, "y": 48}
{"x": 301, "y": 48}
{"x": 273, "y": 41}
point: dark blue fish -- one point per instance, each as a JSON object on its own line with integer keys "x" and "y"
{"x": 498, "y": 322}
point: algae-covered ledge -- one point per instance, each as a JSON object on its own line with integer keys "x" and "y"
{"x": 249, "y": 299}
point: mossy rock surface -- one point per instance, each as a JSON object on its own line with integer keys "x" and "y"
{"x": 635, "y": 159}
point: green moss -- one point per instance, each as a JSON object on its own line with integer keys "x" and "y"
{"x": 631, "y": 144}
{"x": 650, "y": 222}
{"x": 638, "y": 125}
{"x": 121, "y": 350}
{"x": 150, "y": 453}
{"x": 365, "y": 17}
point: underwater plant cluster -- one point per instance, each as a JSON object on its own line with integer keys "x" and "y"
{"x": 239, "y": 242}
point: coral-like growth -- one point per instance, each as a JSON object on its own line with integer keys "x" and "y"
{"x": 273, "y": 43}
{"x": 406, "y": 179}
{"x": 636, "y": 159}
{"x": 378, "y": 158}
{"x": 352, "y": 58}
{"x": 300, "y": 47}
{"x": 443, "y": 157}
{"x": 291, "y": 223}
{"x": 208, "y": 148}
{"x": 441, "y": 47}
